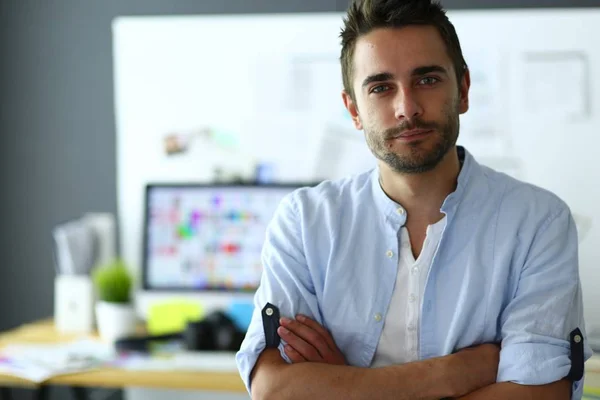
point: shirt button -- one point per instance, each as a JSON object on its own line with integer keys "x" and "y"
{"x": 390, "y": 254}
{"x": 411, "y": 328}
{"x": 400, "y": 211}
{"x": 377, "y": 317}
{"x": 415, "y": 270}
{"x": 412, "y": 298}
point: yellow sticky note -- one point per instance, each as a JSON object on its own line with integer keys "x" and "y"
{"x": 172, "y": 316}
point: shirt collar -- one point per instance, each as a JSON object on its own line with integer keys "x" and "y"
{"x": 396, "y": 214}
{"x": 466, "y": 173}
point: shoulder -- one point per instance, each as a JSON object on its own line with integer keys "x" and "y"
{"x": 337, "y": 193}
{"x": 522, "y": 200}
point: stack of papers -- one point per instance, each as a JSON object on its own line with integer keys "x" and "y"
{"x": 39, "y": 362}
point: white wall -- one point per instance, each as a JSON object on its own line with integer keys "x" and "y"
{"x": 534, "y": 111}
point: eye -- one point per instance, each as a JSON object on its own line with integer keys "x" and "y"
{"x": 379, "y": 89}
{"x": 429, "y": 81}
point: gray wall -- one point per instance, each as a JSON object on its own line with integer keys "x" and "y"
{"x": 57, "y": 134}
{"x": 57, "y": 130}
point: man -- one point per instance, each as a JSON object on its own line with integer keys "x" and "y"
{"x": 398, "y": 283}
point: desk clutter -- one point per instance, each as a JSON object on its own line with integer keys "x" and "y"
{"x": 94, "y": 290}
{"x": 39, "y": 362}
{"x": 37, "y": 352}
{"x": 95, "y": 325}
{"x": 216, "y": 332}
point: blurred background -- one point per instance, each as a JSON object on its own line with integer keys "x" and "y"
{"x": 100, "y": 98}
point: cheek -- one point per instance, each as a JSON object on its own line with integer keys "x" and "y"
{"x": 378, "y": 113}
{"x": 370, "y": 115}
{"x": 451, "y": 110}
{"x": 439, "y": 111}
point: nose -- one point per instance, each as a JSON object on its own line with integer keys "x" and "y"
{"x": 407, "y": 106}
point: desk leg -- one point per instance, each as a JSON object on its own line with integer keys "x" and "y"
{"x": 117, "y": 395}
{"x": 79, "y": 393}
{"x": 41, "y": 393}
{"x": 5, "y": 393}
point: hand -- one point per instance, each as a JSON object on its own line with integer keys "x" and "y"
{"x": 307, "y": 340}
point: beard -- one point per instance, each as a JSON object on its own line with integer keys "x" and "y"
{"x": 416, "y": 157}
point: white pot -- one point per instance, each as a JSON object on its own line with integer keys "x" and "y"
{"x": 115, "y": 320}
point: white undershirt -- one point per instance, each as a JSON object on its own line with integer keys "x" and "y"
{"x": 399, "y": 341}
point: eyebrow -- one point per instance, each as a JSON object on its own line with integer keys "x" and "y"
{"x": 429, "y": 69}
{"x": 386, "y": 76}
{"x": 381, "y": 77}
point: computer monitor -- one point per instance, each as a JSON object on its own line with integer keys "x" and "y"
{"x": 206, "y": 238}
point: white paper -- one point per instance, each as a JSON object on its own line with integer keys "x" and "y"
{"x": 480, "y": 130}
{"x": 184, "y": 361}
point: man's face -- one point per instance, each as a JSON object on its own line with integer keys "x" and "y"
{"x": 407, "y": 99}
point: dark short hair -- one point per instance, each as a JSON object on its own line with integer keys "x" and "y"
{"x": 364, "y": 16}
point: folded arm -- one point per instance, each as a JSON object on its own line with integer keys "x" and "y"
{"x": 450, "y": 376}
{"x": 307, "y": 341}
{"x": 560, "y": 390}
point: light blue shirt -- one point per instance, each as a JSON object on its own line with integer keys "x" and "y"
{"x": 506, "y": 270}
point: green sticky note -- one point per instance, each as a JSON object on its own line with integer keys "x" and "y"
{"x": 172, "y": 316}
{"x": 225, "y": 139}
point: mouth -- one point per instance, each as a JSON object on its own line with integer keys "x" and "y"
{"x": 414, "y": 134}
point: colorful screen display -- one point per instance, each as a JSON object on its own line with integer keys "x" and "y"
{"x": 207, "y": 237}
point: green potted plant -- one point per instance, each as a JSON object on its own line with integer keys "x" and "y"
{"x": 115, "y": 313}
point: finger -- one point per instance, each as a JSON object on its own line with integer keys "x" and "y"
{"x": 293, "y": 354}
{"x": 314, "y": 325}
{"x": 305, "y": 349}
{"x": 309, "y": 335}
{"x": 335, "y": 356}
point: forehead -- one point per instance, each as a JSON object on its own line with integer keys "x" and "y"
{"x": 399, "y": 51}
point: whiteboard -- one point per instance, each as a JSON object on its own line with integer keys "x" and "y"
{"x": 235, "y": 91}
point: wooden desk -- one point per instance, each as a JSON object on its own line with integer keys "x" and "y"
{"x": 43, "y": 332}
{"x": 592, "y": 376}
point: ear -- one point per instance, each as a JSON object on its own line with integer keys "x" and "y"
{"x": 465, "y": 84}
{"x": 352, "y": 109}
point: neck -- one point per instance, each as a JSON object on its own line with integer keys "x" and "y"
{"x": 422, "y": 194}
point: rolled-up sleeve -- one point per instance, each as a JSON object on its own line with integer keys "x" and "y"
{"x": 285, "y": 282}
{"x": 546, "y": 308}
